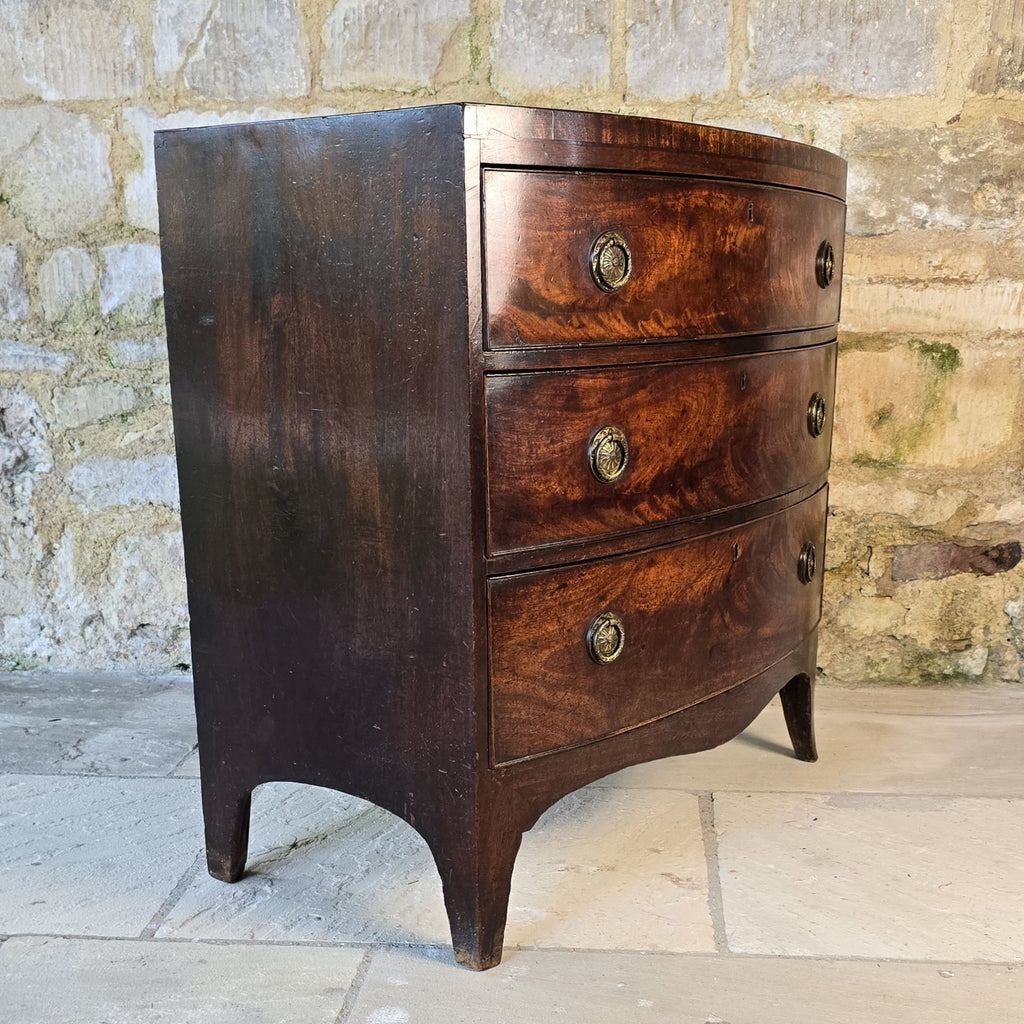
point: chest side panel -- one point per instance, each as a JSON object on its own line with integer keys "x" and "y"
{"x": 316, "y": 309}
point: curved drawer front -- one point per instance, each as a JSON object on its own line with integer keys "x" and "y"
{"x": 686, "y": 622}
{"x": 704, "y": 258}
{"x": 696, "y": 438}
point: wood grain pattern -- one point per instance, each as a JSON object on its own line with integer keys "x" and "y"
{"x": 703, "y": 436}
{"x": 699, "y": 618}
{"x": 326, "y": 331}
{"x": 709, "y": 258}
{"x": 320, "y": 398}
{"x": 536, "y": 137}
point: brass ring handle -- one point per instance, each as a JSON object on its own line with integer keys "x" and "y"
{"x": 608, "y": 454}
{"x": 817, "y": 412}
{"x": 611, "y": 262}
{"x": 606, "y": 637}
{"x": 807, "y": 566}
{"x": 825, "y": 264}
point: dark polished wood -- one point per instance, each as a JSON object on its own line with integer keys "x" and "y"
{"x": 702, "y": 436}
{"x": 341, "y": 426}
{"x": 532, "y": 137}
{"x": 698, "y": 618}
{"x": 708, "y": 258}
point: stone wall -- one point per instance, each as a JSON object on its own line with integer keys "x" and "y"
{"x": 924, "y": 97}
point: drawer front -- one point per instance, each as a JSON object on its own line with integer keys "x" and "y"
{"x": 695, "y": 619}
{"x": 697, "y": 438}
{"x": 705, "y": 258}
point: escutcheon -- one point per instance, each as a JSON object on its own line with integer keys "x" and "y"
{"x": 816, "y": 414}
{"x": 825, "y": 264}
{"x": 608, "y": 454}
{"x": 606, "y": 638}
{"x": 611, "y": 262}
{"x": 808, "y": 563}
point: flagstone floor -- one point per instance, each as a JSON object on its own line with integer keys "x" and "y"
{"x": 739, "y": 886}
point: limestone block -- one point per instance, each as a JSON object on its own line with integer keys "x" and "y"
{"x": 13, "y": 297}
{"x": 676, "y": 49}
{"x": 952, "y": 615}
{"x": 539, "y": 45}
{"x": 950, "y": 176}
{"x": 108, "y": 483}
{"x": 131, "y": 280}
{"x": 176, "y": 24}
{"x": 233, "y": 49}
{"x": 1002, "y": 67}
{"x": 67, "y": 283}
{"x": 882, "y": 402}
{"x": 126, "y": 352}
{"x": 1014, "y": 611}
{"x": 144, "y": 602}
{"x": 925, "y": 403}
{"x": 22, "y": 357}
{"x": 921, "y": 505}
{"x": 54, "y": 169}
{"x": 90, "y": 403}
{"x": 394, "y": 45}
{"x": 931, "y": 306}
{"x": 55, "y": 50}
{"x": 24, "y": 450}
{"x": 866, "y": 615}
{"x": 849, "y": 47}
{"x": 941, "y": 255}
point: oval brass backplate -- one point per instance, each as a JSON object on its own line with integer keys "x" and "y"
{"x": 606, "y": 637}
{"x": 808, "y": 563}
{"x": 816, "y": 414}
{"x": 825, "y": 264}
{"x": 611, "y": 262}
{"x": 608, "y": 454}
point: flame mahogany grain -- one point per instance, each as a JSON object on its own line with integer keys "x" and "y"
{"x": 709, "y": 258}
{"x": 326, "y": 323}
{"x": 703, "y": 437}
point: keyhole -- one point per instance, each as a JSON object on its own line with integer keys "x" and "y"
{"x": 743, "y": 382}
{"x": 750, "y": 212}
{"x": 735, "y": 552}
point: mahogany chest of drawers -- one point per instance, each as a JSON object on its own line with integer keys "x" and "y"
{"x": 503, "y": 438}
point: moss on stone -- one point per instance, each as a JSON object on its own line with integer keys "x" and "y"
{"x": 941, "y": 361}
{"x": 945, "y": 358}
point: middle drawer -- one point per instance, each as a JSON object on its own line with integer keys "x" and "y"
{"x": 583, "y": 453}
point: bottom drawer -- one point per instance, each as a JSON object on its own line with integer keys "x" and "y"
{"x": 587, "y": 651}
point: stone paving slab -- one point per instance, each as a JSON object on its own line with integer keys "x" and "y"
{"x": 629, "y": 988}
{"x": 601, "y": 869}
{"x": 907, "y": 877}
{"x": 189, "y": 768}
{"x": 92, "y": 856}
{"x": 102, "y": 724}
{"x": 928, "y": 741}
{"x": 113, "y": 981}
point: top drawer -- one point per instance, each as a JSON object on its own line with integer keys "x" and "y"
{"x": 705, "y": 258}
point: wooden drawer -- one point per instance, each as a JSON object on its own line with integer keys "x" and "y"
{"x": 708, "y": 258}
{"x": 701, "y": 437}
{"x": 698, "y": 617}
